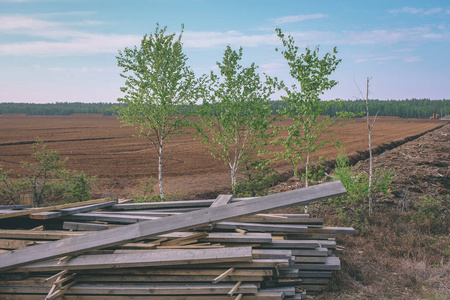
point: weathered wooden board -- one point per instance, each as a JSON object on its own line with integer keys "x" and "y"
{"x": 222, "y": 200}
{"x": 143, "y": 259}
{"x": 332, "y": 264}
{"x": 165, "y": 278}
{"x": 140, "y": 289}
{"x": 38, "y": 235}
{"x": 277, "y": 219}
{"x": 112, "y": 218}
{"x": 166, "y": 271}
{"x": 77, "y": 226}
{"x": 167, "y": 204}
{"x": 70, "y": 211}
{"x": 262, "y": 227}
{"x": 12, "y": 244}
{"x": 257, "y": 296}
{"x": 124, "y": 234}
{"x": 28, "y": 212}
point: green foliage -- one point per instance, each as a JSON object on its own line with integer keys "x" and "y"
{"x": 316, "y": 173}
{"x": 352, "y": 207}
{"x": 259, "y": 177}
{"x": 9, "y": 190}
{"x": 432, "y": 214}
{"x": 48, "y": 181}
{"x": 147, "y": 193}
{"x": 304, "y": 105}
{"x": 158, "y": 83}
{"x": 235, "y": 115}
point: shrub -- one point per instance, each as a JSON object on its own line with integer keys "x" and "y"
{"x": 433, "y": 214}
{"x": 48, "y": 181}
{"x": 352, "y": 207}
{"x": 259, "y": 176}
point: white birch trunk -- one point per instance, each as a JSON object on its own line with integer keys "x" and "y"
{"x": 160, "y": 156}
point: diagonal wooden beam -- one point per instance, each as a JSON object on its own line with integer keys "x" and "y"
{"x": 138, "y": 231}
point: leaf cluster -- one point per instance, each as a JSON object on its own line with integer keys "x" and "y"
{"x": 158, "y": 82}
{"x": 235, "y": 114}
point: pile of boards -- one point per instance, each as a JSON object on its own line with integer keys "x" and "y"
{"x": 223, "y": 248}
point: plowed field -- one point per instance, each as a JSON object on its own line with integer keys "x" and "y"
{"x": 98, "y": 145}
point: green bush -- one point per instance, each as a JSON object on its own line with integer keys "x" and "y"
{"x": 432, "y": 214}
{"x": 148, "y": 191}
{"x": 259, "y": 176}
{"x": 48, "y": 181}
{"x": 353, "y": 206}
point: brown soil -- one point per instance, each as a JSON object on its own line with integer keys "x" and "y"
{"x": 99, "y": 145}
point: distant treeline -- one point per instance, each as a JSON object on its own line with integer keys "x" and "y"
{"x": 59, "y": 108}
{"x": 414, "y": 108}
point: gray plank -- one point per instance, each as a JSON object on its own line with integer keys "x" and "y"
{"x": 159, "y": 205}
{"x": 143, "y": 259}
{"x": 124, "y": 234}
{"x": 84, "y": 226}
{"x": 70, "y": 211}
{"x": 222, "y": 200}
{"x": 262, "y": 227}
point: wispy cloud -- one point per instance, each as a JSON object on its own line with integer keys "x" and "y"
{"x": 413, "y": 34}
{"x": 297, "y": 18}
{"x": 89, "y": 44}
{"x": 416, "y": 11}
{"x": 209, "y": 39}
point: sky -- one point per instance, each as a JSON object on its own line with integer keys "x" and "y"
{"x": 65, "y": 50}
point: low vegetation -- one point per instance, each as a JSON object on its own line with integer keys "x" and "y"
{"x": 48, "y": 181}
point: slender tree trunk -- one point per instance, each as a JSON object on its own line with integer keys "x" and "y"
{"x": 308, "y": 155}
{"x": 233, "y": 177}
{"x": 160, "y": 156}
{"x": 369, "y": 127}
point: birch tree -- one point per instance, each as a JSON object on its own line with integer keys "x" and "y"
{"x": 304, "y": 105}
{"x": 369, "y": 130}
{"x": 235, "y": 113}
{"x": 158, "y": 82}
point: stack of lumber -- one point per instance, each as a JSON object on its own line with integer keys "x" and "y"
{"x": 222, "y": 248}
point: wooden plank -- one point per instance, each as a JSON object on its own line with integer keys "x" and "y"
{"x": 222, "y": 200}
{"x": 14, "y": 207}
{"x": 12, "y": 244}
{"x": 310, "y": 252}
{"x": 172, "y": 271}
{"x": 143, "y": 259}
{"x": 257, "y": 296}
{"x": 77, "y": 226}
{"x": 70, "y": 211}
{"x": 161, "y": 289}
{"x": 140, "y": 289}
{"x": 278, "y": 220}
{"x": 332, "y": 264}
{"x": 124, "y": 234}
{"x": 38, "y": 235}
{"x": 166, "y": 204}
{"x": 261, "y": 227}
{"x": 163, "y": 278}
{"x": 51, "y": 208}
{"x": 112, "y": 218}
{"x": 272, "y": 253}
{"x": 310, "y": 259}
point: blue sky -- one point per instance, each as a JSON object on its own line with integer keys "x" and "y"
{"x": 65, "y": 51}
